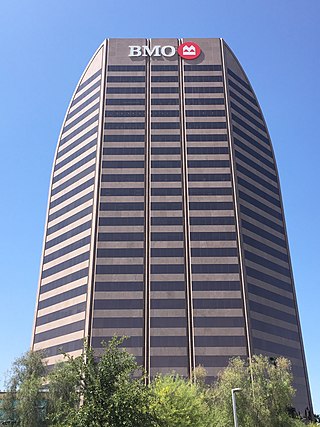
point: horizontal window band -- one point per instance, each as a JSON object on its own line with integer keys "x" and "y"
{"x": 203, "y": 191}
{"x": 114, "y": 322}
{"x": 130, "y": 101}
{"x": 217, "y": 303}
{"x": 168, "y": 341}
{"x": 164, "y": 67}
{"x": 168, "y": 322}
{"x": 165, "y": 125}
{"x": 167, "y": 269}
{"x": 85, "y": 114}
{"x": 76, "y": 154}
{"x": 119, "y": 286}
{"x": 122, "y": 164}
{"x": 120, "y": 253}
{"x": 165, "y": 178}
{"x": 69, "y": 220}
{"x": 118, "y": 304}
{"x": 262, "y": 219}
{"x": 218, "y": 322}
{"x": 214, "y": 268}
{"x": 203, "y": 89}
{"x": 256, "y": 203}
{"x": 220, "y": 341}
{"x": 78, "y": 130}
{"x": 67, "y": 249}
{"x": 71, "y": 206}
{"x": 131, "y": 342}
{"x": 170, "y": 191}
{"x": 83, "y": 105}
{"x": 158, "y": 220}
{"x": 254, "y": 153}
{"x": 265, "y": 248}
{"x": 274, "y": 330}
{"x": 242, "y": 92}
{"x": 61, "y": 314}
{"x": 206, "y": 137}
{"x": 276, "y": 348}
{"x": 164, "y": 79}
{"x": 239, "y": 80}
{"x": 77, "y": 142}
{"x": 85, "y": 93}
{"x": 165, "y": 113}
{"x": 167, "y": 252}
{"x": 204, "y": 101}
{"x": 121, "y": 221}
{"x": 213, "y": 236}
{"x": 124, "y": 138}
{"x": 125, "y": 79}
{"x": 164, "y": 101}
{"x": 271, "y": 296}
{"x": 124, "y": 125}
{"x": 206, "y": 67}
{"x": 120, "y": 237}
{"x": 208, "y": 163}
{"x": 168, "y": 304}
{"x": 60, "y": 331}
{"x": 167, "y": 286}
{"x": 247, "y": 116}
{"x": 165, "y": 150}
{"x": 245, "y": 104}
{"x": 123, "y": 151}
{"x": 65, "y": 265}
{"x": 254, "y": 189}
{"x": 254, "y": 142}
{"x": 65, "y": 296}
{"x": 122, "y": 177}
{"x": 123, "y": 68}
{"x": 213, "y": 361}
{"x": 69, "y": 278}
{"x": 168, "y": 138}
{"x": 218, "y": 285}
{"x": 74, "y": 167}
{"x": 192, "y": 79}
{"x": 166, "y": 206}
{"x": 70, "y": 233}
{"x": 166, "y": 164}
{"x": 214, "y": 252}
{"x": 125, "y": 113}
{"x": 66, "y": 347}
{"x": 122, "y": 192}
{"x": 165, "y": 236}
{"x": 193, "y": 177}
{"x": 89, "y": 80}
{"x": 125, "y": 90}
{"x": 250, "y": 256}
{"x": 71, "y": 193}
{"x": 208, "y": 150}
{"x": 125, "y": 206}
{"x": 169, "y": 362}
{"x": 264, "y": 234}
{"x": 212, "y": 220}
{"x": 201, "y": 206}
{"x": 206, "y": 125}
{"x": 164, "y": 90}
{"x": 119, "y": 269}
{"x": 263, "y": 277}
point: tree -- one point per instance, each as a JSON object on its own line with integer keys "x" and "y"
{"x": 177, "y": 402}
{"x": 103, "y": 392}
{"x": 24, "y": 402}
{"x": 266, "y": 393}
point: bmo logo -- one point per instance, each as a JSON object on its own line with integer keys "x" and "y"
{"x": 188, "y": 50}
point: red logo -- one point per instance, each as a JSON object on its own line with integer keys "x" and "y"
{"x": 189, "y": 50}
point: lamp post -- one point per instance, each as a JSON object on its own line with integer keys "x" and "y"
{"x": 234, "y": 406}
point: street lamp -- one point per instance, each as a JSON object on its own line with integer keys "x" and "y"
{"x": 234, "y": 406}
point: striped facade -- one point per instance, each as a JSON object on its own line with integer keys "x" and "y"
{"x": 165, "y": 221}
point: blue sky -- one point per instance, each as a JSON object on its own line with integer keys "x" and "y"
{"x": 44, "y": 47}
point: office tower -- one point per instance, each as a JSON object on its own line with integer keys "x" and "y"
{"x": 165, "y": 221}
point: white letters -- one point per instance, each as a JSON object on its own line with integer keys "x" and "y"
{"x": 155, "y": 51}
{"x": 166, "y": 48}
{"x": 135, "y": 51}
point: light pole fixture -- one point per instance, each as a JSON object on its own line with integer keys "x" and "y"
{"x": 234, "y": 406}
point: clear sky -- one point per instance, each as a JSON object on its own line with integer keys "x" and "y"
{"x": 44, "y": 47}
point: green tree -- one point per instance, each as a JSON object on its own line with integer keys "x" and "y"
{"x": 177, "y": 402}
{"x": 99, "y": 392}
{"x": 266, "y": 393}
{"x": 24, "y": 402}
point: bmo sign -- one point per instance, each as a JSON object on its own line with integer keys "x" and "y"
{"x": 187, "y": 50}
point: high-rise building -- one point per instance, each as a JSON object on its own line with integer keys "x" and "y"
{"x": 165, "y": 221}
